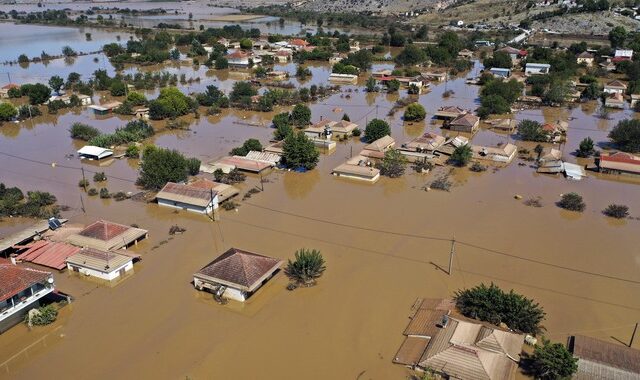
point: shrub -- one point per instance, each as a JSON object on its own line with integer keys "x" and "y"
{"x": 423, "y": 165}
{"x": 193, "y": 166}
{"x": 92, "y": 192}
{"x": 616, "y": 211}
{"x": 43, "y": 316}
{"x": 99, "y": 177}
{"x": 247, "y": 146}
{"x": 132, "y": 151}
{"x": 533, "y": 202}
{"x": 299, "y": 152}
{"x": 308, "y": 266}
{"x": 120, "y": 196}
{"x": 83, "y": 183}
{"x": 415, "y": 112}
{"x": 441, "y": 183}
{"x": 586, "y": 148}
{"x": 493, "y": 305}
{"x": 478, "y": 167}
{"x": 104, "y": 193}
{"x": 572, "y": 202}
{"x": 530, "y": 130}
{"x": 461, "y": 155}
{"x": 229, "y": 205}
{"x": 83, "y": 132}
{"x": 7, "y": 112}
{"x": 356, "y": 132}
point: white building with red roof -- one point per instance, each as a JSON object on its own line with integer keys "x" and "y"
{"x": 21, "y": 290}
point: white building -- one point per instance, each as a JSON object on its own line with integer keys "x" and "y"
{"x": 241, "y": 58}
{"x": 537, "y": 68}
{"x": 94, "y": 152}
{"x": 188, "y": 197}
{"x": 236, "y": 274}
{"x": 21, "y": 290}
{"x": 100, "y": 264}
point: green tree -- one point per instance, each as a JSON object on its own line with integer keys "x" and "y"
{"x": 117, "y": 88}
{"x": 411, "y": 55}
{"x": 492, "y": 304}
{"x": 461, "y": 155}
{"x": 371, "y": 84}
{"x": 84, "y": 132}
{"x": 174, "y": 54}
{"x": 552, "y": 361}
{"x": 56, "y": 83}
{"x": 301, "y": 115}
{"x": 160, "y": 166}
{"x": 530, "y": 130}
{"x": 572, "y": 202}
{"x": 393, "y": 85}
{"x": 299, "y": 152}
{"x": 593, "y": 91}
{"x": 22, "y": 58}
{"x": 242, "y": 91}
{"x": 67, "y": 51}
{"x": 586, "y": 148}
{"x": 346, "y": 117}
{"x": 557, "y": 93}
{"x": 38, "y": 93}
{"x": 136, "y": 98}
{"x": 282, "y": 123}
{"x": 221, "y": 63}
{"x": 393, "y": 164}
{"x": 246, "y": 44}
{"x": 170, "y": 103}
{"x": 617, "y": 36}
{"x": 415, "y": 112}
{"x": 247, "y": 146}
{"x": 7, "y": 111}
{"x": 376, "y": 129}
{"x": 499, "y": 59}
{"x": 626, "y": 135}
{"x": 307, "y": 268}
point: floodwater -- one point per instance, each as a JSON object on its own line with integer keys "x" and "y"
{"x": 385, "y": 245}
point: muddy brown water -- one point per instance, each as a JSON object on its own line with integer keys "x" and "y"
{"x": 384, "y": 244}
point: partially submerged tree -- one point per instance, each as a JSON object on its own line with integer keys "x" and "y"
{"x": 308, "y": 266}
{"x": 616, "y": 211}
{"x": 300, "y": 115}
{"x": 461, "y": 155}
{"x": 415, "y": 112}
{"x": 552, "y": 361}
{"x": 531, "y": 130}
{"x": 376, "y": 129}
{"x": 247, "y": 146}
{"x": 393, "y": 164}
{"x": 586, "y": 148}
{"x": 160, "y": 166}
{"x": 572, "y": 201}
{"x": 299, "y": 152}
{"x": 626, "y": 135}
{"x": 492, "y": 304}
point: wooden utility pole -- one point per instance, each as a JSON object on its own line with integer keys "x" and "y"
{"x": 633, "y": 335}
{"x": 84, "y": 180}
{"x": 451, "y": 253}
{"x": 82, "y": 204}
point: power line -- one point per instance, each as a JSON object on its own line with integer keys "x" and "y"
{"x": 435, "y": 238}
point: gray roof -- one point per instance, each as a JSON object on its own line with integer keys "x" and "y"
{"x": 101, "y": 261}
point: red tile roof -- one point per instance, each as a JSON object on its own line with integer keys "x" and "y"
{"x": 299, "y": 42}
{"x": 14, "y": 279}
{"x": 103, "y": 230}
{"x": 10, "y": 86}
{"x": 241, "y": 268}
{"x": 621, "y": 157}
{"x": 49, "y": 254}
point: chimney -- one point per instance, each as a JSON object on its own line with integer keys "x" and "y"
{"x": 12, "y": 257}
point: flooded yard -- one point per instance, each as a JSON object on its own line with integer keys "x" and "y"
{"x": 385, "y": 244}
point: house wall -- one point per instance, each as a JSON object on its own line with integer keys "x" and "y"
{"x": 609, "y": 90}
{"x": 358, "y": 177}
{"x": 102, "y": 275}
{"x": 12, "y": 315}
{"x": 230, "y": 293}
{"x": 536, "y": 70}
{"x": 188, "y": 207}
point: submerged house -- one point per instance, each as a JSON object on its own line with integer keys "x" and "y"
{"x": 21, "y": 289}
{"x": 615, "y": 86}
{"x": 188, "y": 198}
{"x": 242, "y": 59}
{"x": 457, "y": 347}
{"x": 378, "y": 148}
{"x": 91, "y": 152}
{"x": 106, "y": 108}
{"x": 449, "y": 112}
{"x": 100, "y": 264}
{"x": 236, "y": 274}
{"x": 343, "y": 78}
{"x": 504, "y": 153}
{"x": 359, "y": 168}
{"x": 106, "y": 236}
{"x": 343, "y": 128}
{"x": 619, "y": 163}
{"x": 467, "y": 123}
{"x": 422, "y": 146}
{"x": 614, "y": 100}
{"x": 598, "y": 359}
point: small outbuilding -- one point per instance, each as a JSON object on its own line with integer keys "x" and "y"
{"x": 467, "y": 123}
{"x": 100, "y": 264}
{"x": 236, "y": 274}
{"x": 537, "y": 68}
{"x": 91, "y": 152}
{"x": 187, "y": 197}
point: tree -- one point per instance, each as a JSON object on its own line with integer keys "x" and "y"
{"x": 626, "y": 135}
{"x": 301, "y": 115}
{"x": 56, "y": 82}
{"x": 499, "y": 59}
{"x": 552, "y": 361}
{"x": 393, "y": 164}
{"x": 174, "y": 54}
{"x": 393, "y": 85}
{"x": 282, "y": 123}
{"x": 299, "y": 152}
{"x": 421, "y": 33}
{"x": 38, "y": 93}
{"x": 83, "y": 132}
{"x": 136, "y": 98}
{"x": 593, "y": 91}
{"x": 117, "y": 88}
{"x": 530, "y": 130}
{"x": 171, "y": 103}
{"x": 617, "y": 36}
{"x": 571, "y": 201}
{"x": 247, "y": 146}
{"x": 308, "y": 266}
{"x": 7, "y": 111}
{"x": 67, "y": 51}
{"x": 160, "y": 166}
{"x": 246, "y": 44}
{"x": 556, "y": 93}
{"x": 371, "y": 84}
{"x": 411, "y": 55}
{"x": 346, "y": 117}
{"x": 616, "y": 211}
{"x": 586, "y": 148}
{"x": 376, "y": 129}
{"x": 415, "y": 112}
{"x": 241, "y": 91}
{"x": 461, "y": 155}
{"x": 493, "y": 305}
{"x": 22, "y": 58}
{"x": 221, "y": 63}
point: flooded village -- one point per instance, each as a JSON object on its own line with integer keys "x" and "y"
{"x": 197, "y": 192}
